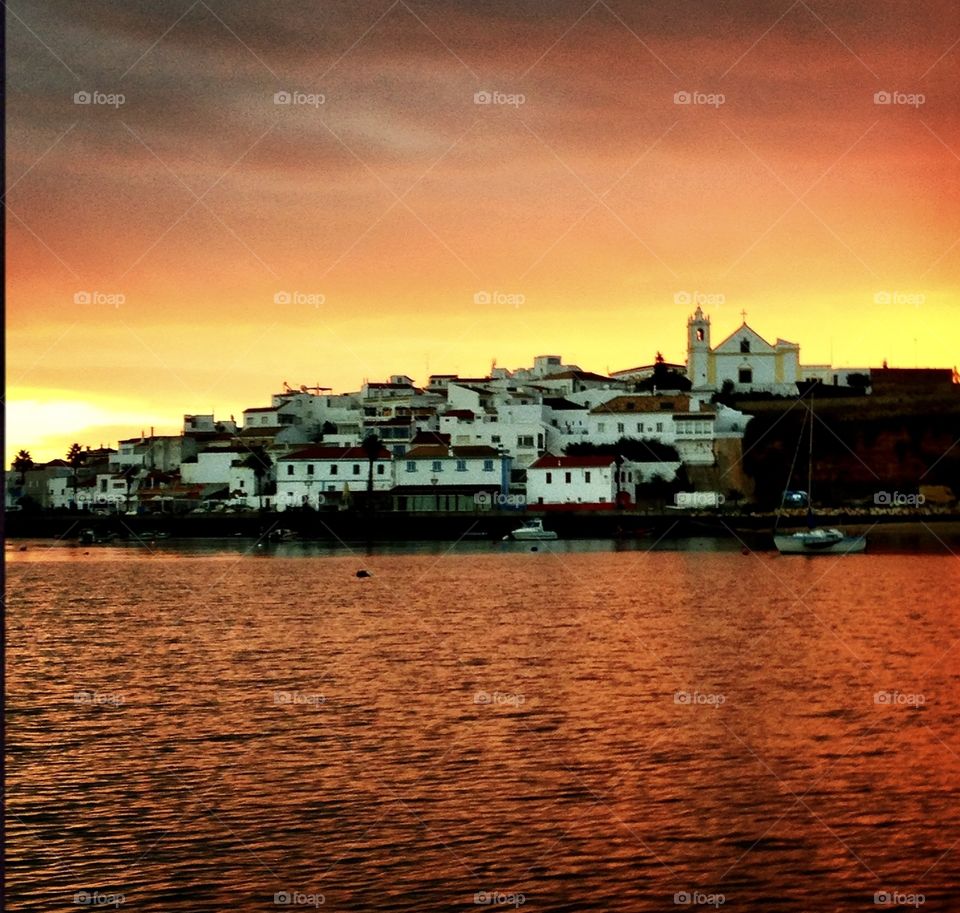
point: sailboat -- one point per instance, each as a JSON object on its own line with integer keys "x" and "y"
{"x": 814, "y": 540}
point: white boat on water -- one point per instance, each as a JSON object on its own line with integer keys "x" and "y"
{"x": 531, "y": 529}
{"x": 819, "y": 542}
{"x": 814, "y": 541}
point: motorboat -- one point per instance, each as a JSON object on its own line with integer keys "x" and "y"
{"x": 531, "y": 530}
{"x": 819, "y": 541}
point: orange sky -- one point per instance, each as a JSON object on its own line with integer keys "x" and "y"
{"x": 598, "y": 198}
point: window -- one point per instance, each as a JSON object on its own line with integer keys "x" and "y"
{"x": 567, "y": 478}
{"x": 640, "y": 427}
{"x": 660, "y": 426}
{"x": 310, "y": 469}
{"x": 461, "y": 465}
{"x": 488, "y": 465}
{"x": 746, "y": 375}
{"x": 586, "y": 476}
{"x": 700, "y": 334}
{"x": 495, "y": 438}
{"x": 549, "y": 477}
{"x": 620, "y": 427}
{"x": 745, "y": 346}
{"x": 437, "y": 466}
{"x": 524, "y": 440}
{"x": 356, "y": 469}
{"x": 333, "y": 469}
{"x": 380, "y": 468}
{"x": 411, "y": 465}
{"x": 601, "y": 427}
{"x": 289, "y": 469}
{"x": 264, "y": 419}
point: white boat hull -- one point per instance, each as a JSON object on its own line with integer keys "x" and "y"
{"x": 806, "y": 544}
{"x": 526, "y": 535}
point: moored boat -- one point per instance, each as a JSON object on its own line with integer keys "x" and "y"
{"x": 818, "y": 542}
{"x": 531, "y": 529}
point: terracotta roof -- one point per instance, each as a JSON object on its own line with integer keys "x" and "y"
{"x": 476, "y": 450}
{"x": 320, "y": 452}
{"x": 621, "y": 404}
{"x": 549, "y": 461}
{"x": 575, "y": 375}
{"x": 430, "y": 437}
{"x": 427, "y": 451}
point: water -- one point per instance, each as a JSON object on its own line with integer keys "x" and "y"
{"x": 571, "y": 729}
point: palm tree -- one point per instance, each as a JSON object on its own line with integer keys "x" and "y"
{"x": 371, "y": 447}
{"x": 75, "y": 459}
{"x": 21, "y": 463}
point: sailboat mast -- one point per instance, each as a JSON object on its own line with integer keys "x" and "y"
{"x": 810, "y": 464}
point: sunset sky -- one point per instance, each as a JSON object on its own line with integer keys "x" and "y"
{"x": 388, "y": 198}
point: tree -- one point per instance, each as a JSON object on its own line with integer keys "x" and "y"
{"x": 726, "y": 394}
{"x": 663, "y": 378}
{"x": 858, "y": 381}
{"x": 75, "y": 459}
{"x": 22, "y": 462}
{"x": 371, "y": 447}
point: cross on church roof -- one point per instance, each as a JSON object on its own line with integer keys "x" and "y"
{"x": 743, "y": 314}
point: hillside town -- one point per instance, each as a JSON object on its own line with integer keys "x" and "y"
{"x": 551, "y": 436}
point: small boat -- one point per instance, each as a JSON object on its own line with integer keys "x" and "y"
{"x": 818, "y": 542}
{"x": 531, "y": 529}
{"x": 283, "y": 535}
{"x": 91, "y": 537}
{"x": 813, "y": 540}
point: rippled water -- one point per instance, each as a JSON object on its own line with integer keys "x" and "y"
{"x": 576, "y": 730}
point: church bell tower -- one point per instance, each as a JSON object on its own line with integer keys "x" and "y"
{"x": 698, "y": 349}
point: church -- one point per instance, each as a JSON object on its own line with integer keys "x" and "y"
{"x": 749, "y": 362}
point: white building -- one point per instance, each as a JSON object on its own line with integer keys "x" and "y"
{"x": 316, "y": 475}
{"x": 580, "y": 480}
{"x": 441, "y": 477}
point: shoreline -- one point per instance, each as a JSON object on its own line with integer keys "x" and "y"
{"x": 751, "y": 530}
